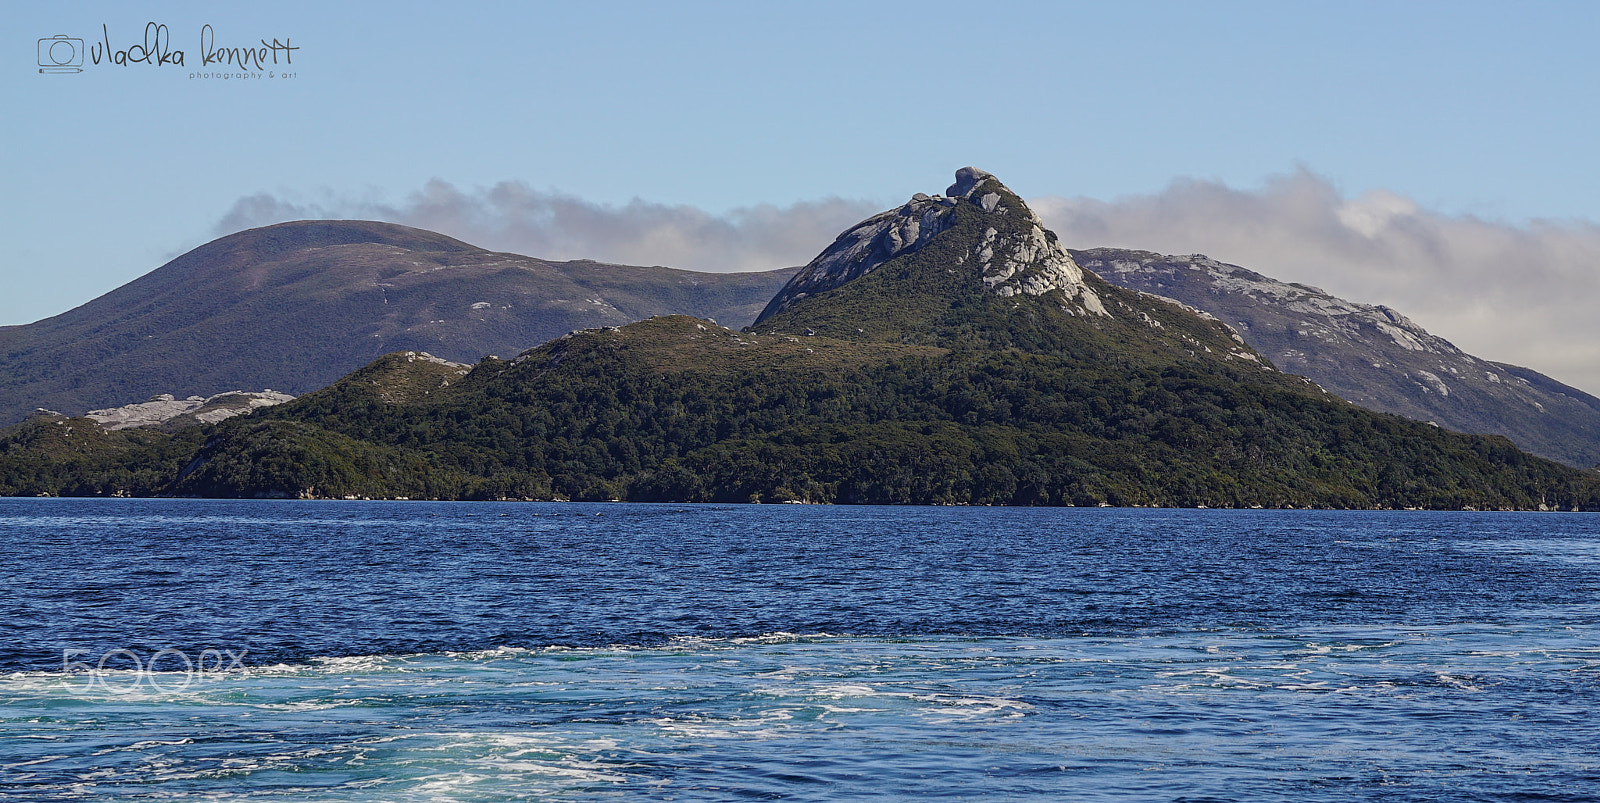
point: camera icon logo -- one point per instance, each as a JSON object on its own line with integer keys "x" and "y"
{"x": 60, "y": 54}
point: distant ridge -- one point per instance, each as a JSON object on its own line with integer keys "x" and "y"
{"x": 1370, "y": 355}
{"x": 297, "y": 305}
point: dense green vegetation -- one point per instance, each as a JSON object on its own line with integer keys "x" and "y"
{"x": 964, "y": 427}
{"x": 594, "y": 417}
{"x": 75, "y": 457}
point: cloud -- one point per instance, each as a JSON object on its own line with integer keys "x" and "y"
{"x": 512, "y": 216}
{"x": 1523, "y": 294}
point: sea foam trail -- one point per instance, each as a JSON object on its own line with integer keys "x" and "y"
{"x": 1113, "y": 719}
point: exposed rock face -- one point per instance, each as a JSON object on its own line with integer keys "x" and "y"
{"x": 1370, "y": 354}
{"x": 1016, "y": 255}
{"x": 163, "y": 408}
{"x": 423, "y": 356}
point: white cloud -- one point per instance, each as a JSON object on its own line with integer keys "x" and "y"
{"x": 511, "y": 216}
{"x": 1523, "y": 294}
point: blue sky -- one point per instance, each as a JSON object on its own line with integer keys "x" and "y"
{"x": 1469, "y": 111}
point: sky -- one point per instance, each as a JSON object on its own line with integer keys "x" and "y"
{"x": 1435, "y": 157}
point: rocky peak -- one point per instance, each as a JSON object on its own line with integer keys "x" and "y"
{"x": 969, "y": 179}
{"x": 1012, "y": 251}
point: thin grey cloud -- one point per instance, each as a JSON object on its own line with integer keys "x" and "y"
{"x": 1524, "y": 294}
{"x": 512, "y": 216}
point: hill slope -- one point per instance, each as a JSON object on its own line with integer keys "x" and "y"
{"x": 295, "y": 306}
{"x": 978, "y": 365}
{"x": 1371, "y": 355}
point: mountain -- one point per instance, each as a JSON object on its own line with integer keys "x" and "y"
{"x": 297, "y": 305}
{"x": 1370, "y": 355}
{"x": 976, "y": 364}
{"x": 1024, "y": 259}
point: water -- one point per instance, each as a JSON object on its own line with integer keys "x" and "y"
{"x": 442, "y": 651}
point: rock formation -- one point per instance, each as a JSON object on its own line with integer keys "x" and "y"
{"x": 163, "y": 408}
{"x": 1017, "y": 255}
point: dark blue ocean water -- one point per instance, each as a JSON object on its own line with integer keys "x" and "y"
{"x": 442, "y": 651}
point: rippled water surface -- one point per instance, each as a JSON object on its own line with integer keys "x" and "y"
{"x": 441, "y": 651}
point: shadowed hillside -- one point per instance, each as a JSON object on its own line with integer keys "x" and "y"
{"x": 295, "y": 306}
